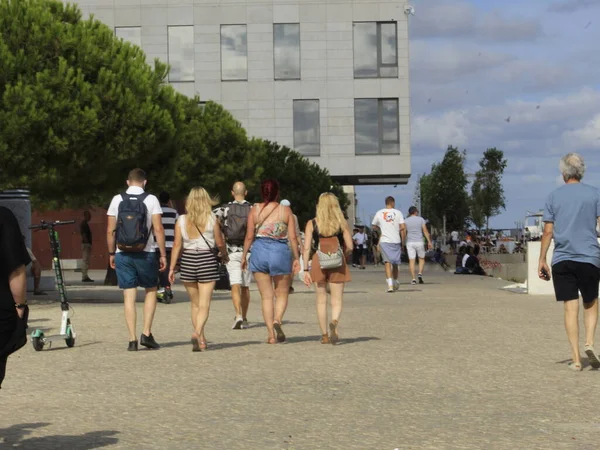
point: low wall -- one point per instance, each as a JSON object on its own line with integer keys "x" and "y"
{"x": 535, "y": 286}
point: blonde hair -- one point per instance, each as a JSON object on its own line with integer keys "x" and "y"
{"x": 199, "y": 206}
{"x": 330, "y": 218}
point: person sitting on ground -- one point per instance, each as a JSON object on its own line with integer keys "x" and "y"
{"x": 440, "y": 258}
{"x": 459, "y": 259}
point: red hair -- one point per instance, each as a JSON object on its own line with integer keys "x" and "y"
{"x": 269, "y": 190}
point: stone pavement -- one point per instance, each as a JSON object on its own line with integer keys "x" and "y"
{"x": 453, "y": 364}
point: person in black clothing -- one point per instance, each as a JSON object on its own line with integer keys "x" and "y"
{"x": 86, "y": 246}
{"x": 13, "y": 282}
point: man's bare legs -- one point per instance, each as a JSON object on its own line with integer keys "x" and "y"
{"x": 590, "y": 320}
{"x": 245, "y": 301}
{"x": 421, "y": 265}
{"x": 129, "y": 296}
{"x": 572, "y": 327}
{"x": 149, "y": 310}
{"x": 236, "y": 297}
{"x": 411, "y": 265}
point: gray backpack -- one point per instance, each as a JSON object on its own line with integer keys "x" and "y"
{"x": 237, "y": 223}
{"x": 328, "y": 260}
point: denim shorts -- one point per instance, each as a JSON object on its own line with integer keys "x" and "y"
{"x": 271, "y": 256}
{"x": 136, "y": 270}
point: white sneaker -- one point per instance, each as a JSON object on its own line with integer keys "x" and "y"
{"x": 414, "y": 282}
{"x": 237, "y": 325}
{"x": 390, "y": 288}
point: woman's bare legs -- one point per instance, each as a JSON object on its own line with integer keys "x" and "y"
{"x": 200, "y": 297}
{"x": 282, "y": 293}
{"x": 205, "y": 291}
{"x": 321, "y": 289}
{"x": 265, "y": 287}
{"x": 192, "y": 290}
{"x": 337, "y": 295}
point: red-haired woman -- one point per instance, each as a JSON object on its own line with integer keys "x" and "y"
{"x": 270, "y": 227}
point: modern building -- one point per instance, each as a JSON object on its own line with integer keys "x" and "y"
{"x": 329, "y": 78}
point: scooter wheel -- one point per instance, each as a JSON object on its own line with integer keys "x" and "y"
{"x": 70, "y": 341}
{"x": 38, "y": 344}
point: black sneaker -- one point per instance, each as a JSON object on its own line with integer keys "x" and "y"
{"x": 169, "y": 293}
{"x": 420, "y": 277}
{"x": 87, "y": 280}
{"x": 133, "y": 346}
{"x": 148, "y": 341}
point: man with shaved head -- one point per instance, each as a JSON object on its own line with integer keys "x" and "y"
{"x": 234, "y": 220}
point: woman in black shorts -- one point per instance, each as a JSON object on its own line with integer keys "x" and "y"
{"x": 198, "y": 235}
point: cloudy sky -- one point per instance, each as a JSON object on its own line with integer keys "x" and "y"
{"x": 474, "y": 64}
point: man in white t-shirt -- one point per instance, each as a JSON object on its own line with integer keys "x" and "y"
{"x": 454, "y": 240}
{"x": 360, "y": 244}
{"x": 137, "y": 268}
{"x": 390, "y": 222}
{"x": 416, "y": 229}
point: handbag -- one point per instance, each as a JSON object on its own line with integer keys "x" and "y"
{"x": 213, "y": 250}
{"x": 328, "y": 260}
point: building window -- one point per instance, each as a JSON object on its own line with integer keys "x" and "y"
{"x": 286, "y": 51}
{"x": 375, "y": 50}
{"x": 234, "y": 52}
{"x": 376, "y": 126}
{"x": 307, "y": 127}
{"x": 130, "y": 34}
{"x": 181, "y": 53}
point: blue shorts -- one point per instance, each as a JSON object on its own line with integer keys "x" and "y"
{"x": 271, "y": 256}
{"x": 136, "y": 270}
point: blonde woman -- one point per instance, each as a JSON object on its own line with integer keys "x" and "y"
{"x": 329, "y": 232}
{"x": 200, "y": 239}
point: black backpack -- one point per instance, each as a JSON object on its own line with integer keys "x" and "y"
{"x": 132, "y": 228}
{"x": 237, "y": 223}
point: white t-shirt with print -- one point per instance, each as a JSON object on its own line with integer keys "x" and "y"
{"x": 389, "y": 221}
{"x": 360, "y": 238}
{"x": 152, "y": 204}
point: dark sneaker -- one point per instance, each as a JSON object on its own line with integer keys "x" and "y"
{"x": 133, "y": 346}
{"x": 39, "y": 293}
{"x": 245, "y": 324}
{"x": 237, "y": 324}
{"x": 169, "y": 293}
{"x": 291, "y": 290}
{"x": 420, "y": 277}
{"x": 148, "y": 341}
{"x": 87, "y": 280}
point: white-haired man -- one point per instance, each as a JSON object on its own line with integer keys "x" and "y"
{"x": 570, "y": 217}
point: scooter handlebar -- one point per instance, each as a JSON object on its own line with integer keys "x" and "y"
{"x": 46, "y": 225}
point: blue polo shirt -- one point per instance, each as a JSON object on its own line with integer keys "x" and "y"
{"x": 574, "y": 209}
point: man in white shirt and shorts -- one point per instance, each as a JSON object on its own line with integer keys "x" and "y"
{"x": 390, "y": 222}
{"x": 415, "y": 230}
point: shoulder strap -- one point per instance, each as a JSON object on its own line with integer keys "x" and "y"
{"x": 259, "y": 224}
{"x": 209, "y": 246}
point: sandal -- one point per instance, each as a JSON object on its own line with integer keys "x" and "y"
{"x": 333, "y": 332}
{"x": 577, "y": 367}
{"x": 195, "y": 345}
{"x": 325, "y": 339}
{"x": 279, "y": 331}
{"x": 203, "y": 345}
{"x": 593, "y": 358}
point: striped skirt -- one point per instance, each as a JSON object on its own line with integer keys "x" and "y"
{"x": 198, "y": 267}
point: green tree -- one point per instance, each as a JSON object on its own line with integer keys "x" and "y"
{"x": 212, "y": 151}
{"x": 78, "y": 106}
{"x": 477, "y": 216}
{"x": 301, "y": 181}
{"x": 443, "y": 191}
{"x": 487, "y": 191}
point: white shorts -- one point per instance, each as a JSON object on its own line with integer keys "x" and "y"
{"x": 234, "y": 267}
{"x": 414, "y": 249}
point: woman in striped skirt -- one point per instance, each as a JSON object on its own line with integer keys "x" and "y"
{"x": 197, "y": 235}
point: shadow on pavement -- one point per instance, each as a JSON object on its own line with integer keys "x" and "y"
{"x": 14, "y": 436}
{"x": 211, "y": 346}
{"x": 342, "y": 341}
{"x": 585, "y": 363}
{"x": 285, "y": 322}
{"x": 63, "y": 347}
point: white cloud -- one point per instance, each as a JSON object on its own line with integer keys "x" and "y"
{"x": 460, "y": 19}
{"x": 569, "y": 6}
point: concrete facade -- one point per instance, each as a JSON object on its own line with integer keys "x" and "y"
{"x": 326, "y": 68}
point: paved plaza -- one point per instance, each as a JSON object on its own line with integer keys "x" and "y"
{"x": 457, "y": 363}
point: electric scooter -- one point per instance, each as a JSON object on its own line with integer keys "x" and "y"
{"x": 66, "y": 327}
